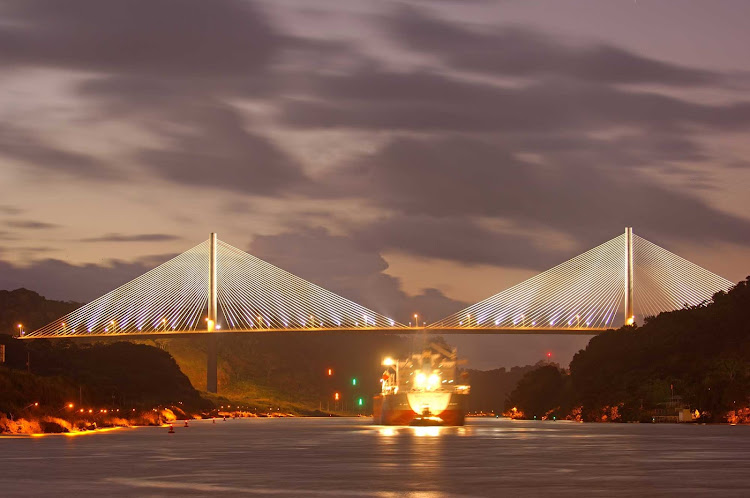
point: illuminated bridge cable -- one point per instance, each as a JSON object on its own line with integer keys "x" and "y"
{"x": 252, "y": 295}
{"x": 588, "y": 291}
{"x": 666, "y": 281}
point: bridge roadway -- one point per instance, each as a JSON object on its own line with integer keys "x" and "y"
{"x": 585, "y": 331}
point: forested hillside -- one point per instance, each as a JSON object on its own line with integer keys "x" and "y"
{"x": 700, "y": 353}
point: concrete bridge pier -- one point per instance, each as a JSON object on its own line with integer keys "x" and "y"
{"x": 211, "y": 367}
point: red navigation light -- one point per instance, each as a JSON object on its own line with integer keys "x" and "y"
{"x": 549, "y": 355}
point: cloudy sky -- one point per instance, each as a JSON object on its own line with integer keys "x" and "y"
{"x": 410, "y": 156}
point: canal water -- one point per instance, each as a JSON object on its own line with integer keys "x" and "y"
{"x": 352, "y": 458}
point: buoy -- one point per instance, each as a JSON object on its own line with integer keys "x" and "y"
{"x": 225, "y": 418}
{"x": 171, "y": 429}
{"x": 213, "y": 420}
{"x": 186, "y": 424}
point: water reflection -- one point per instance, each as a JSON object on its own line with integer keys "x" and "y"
{"x": 424, "y": 431}
{"x": 346, "y": 457}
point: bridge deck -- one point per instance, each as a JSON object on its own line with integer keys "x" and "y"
{"x": 586, "y": 331}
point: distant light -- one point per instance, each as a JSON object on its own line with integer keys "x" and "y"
{"x": 387, "y": 361}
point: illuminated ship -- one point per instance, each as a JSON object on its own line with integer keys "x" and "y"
{"x": 422, "y": 390}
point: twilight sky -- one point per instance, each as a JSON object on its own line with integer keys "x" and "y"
{"x": 414, "y": 157}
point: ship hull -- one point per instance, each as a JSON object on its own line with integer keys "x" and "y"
{"x": 396, "y": 409}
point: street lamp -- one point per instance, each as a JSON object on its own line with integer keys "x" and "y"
{"x": 20, "y": 329}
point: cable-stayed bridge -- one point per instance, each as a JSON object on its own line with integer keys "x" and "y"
{"x": 216, "y": 288}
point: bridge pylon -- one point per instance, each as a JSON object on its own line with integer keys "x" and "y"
{"x": 628, "y": 308}
{"x": 593, "y": 291}
{"x": 212, "y": 383}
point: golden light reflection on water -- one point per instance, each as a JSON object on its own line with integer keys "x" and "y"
{"x": 426, "y": 431}
{"x": 430, "y": 431}
{"x": 67, "y": 434}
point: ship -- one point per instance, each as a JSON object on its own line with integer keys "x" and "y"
{"x": 423, "y": 389}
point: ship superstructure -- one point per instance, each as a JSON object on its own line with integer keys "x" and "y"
{"x": 424, "y": 388}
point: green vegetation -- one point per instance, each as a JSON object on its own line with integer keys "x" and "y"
{"x": 490, "y": 388}
{"x": 291, "y": 370}
{"x": 117, "y": 375}
{"x": 701, "y": 353}
{"x": 542, "y": 392}
{"x": 25, "y": 307}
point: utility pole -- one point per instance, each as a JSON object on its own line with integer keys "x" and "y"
{"x": 629, "y": 316}
{"x": 211, "y": 347}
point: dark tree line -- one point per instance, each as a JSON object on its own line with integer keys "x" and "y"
{"x": 701, "y": 353}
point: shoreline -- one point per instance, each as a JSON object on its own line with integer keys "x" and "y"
{"x": 166, "y": 424}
